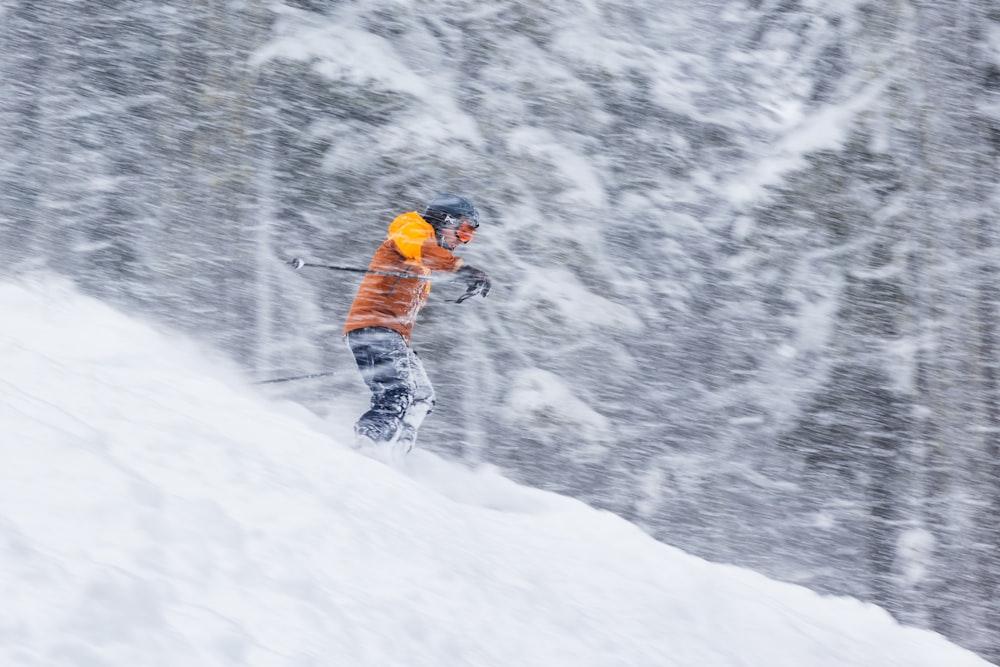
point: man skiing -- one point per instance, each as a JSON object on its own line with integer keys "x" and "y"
{"x": 385, "y": 308}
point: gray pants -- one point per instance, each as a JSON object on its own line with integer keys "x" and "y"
{"x": 402, "y": 394}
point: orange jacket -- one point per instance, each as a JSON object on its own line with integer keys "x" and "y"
{"x": 392, "y": 301}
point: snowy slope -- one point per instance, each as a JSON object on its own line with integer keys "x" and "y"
{"x": 156, "y": 510}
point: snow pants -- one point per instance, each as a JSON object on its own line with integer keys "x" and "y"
{"x": 402, "y": 394}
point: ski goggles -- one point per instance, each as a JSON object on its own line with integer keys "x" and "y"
{"x": 465, "y": 229}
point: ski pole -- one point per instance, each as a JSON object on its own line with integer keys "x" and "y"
{"x": 297, "y": 377}
{"x": 298, "y": 263}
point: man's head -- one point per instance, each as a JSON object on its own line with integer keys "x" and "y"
{"x": 454, "y": 218}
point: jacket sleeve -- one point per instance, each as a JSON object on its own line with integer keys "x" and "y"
{"x": 437, "y": 258}
{"x": 416, "y": 242}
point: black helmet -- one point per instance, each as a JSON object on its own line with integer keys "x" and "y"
{"x": 448, "y": 210}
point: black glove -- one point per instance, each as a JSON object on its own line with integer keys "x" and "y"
{"x": 477, "y": 282}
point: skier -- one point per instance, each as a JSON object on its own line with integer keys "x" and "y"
{"x": 382, "y": 315}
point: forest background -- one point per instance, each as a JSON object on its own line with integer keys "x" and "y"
{"x": 744, "y": 252}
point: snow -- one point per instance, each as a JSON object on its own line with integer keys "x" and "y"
{"x": 342, "y": 53}
{"x": 538, "y": 393}
{"x": 155, "y": 509}
{"x": 556, "y": 294}
{"x": 583, "y": 184}
{"x": 825, "y": 129}
{"x": 351, "y": 57}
